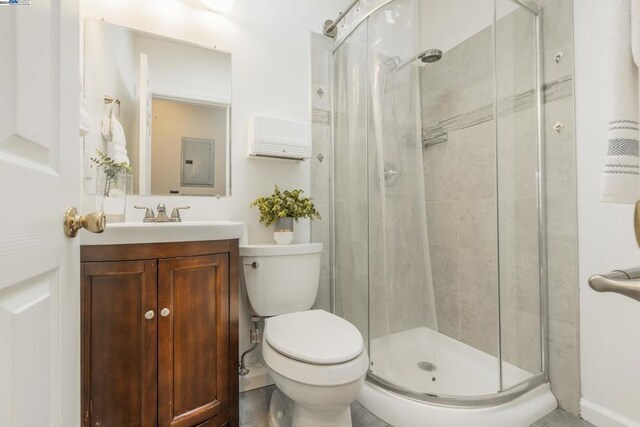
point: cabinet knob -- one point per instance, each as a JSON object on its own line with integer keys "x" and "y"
{"x": 165, "y": 312}
{"x": 149, "y": 315}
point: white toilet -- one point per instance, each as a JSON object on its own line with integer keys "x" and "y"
{"x": 316, "y": 359}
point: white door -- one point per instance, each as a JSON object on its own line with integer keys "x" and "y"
{"x": 39, "y": 178}
{"x": 145, "y": 123}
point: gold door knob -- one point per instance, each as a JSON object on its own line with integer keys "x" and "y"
{"x": 93, "y": 222}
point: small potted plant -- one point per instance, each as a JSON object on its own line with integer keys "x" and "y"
{"x": 281, "y": 208}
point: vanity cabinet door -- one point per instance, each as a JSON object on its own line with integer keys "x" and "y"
{"x": 193, "y": 335}
{"x": 119, "y": 348}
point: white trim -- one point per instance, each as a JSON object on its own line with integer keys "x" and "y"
{"x": 182, "y": 96}
{"x": 602, "y": 417}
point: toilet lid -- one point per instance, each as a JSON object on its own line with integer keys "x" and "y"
{"x": 314, "y": 336}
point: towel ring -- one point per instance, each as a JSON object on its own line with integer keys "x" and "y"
{"x": 113, "y": 101}
{"x": 113, "y": 105}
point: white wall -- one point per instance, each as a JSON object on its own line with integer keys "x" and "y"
{"x": 114, "y": 75}
{"x": 184, "y": 71}
{"x": 610, "y": 323}
{"x": 269, "y": 44}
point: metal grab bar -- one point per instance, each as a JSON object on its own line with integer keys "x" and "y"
{"x": 625, "y": 282}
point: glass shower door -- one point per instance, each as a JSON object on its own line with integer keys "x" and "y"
{"x": 350, "y": 202}
{"x": 520, "y": 171}
{"x": 403, "y": 328}
{"x": 438, "y": 210}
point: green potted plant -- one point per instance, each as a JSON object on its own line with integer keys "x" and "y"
{"x": 281, "y": 209}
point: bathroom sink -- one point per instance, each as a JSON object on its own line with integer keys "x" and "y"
{"x": 186, "y": 231}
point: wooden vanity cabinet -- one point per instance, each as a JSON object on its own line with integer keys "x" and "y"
{"x": 160, "y": 334}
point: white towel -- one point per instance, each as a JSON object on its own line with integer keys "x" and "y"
{"x": 106, "y": 124}
{"x": 635, "y": 30}
{"x": 621, "y": 175}
{"x": 635, "y": 39}
{"x": 113, "y": 133}
{"x": 117, "y": 147}
{"x": 106, "y": 128}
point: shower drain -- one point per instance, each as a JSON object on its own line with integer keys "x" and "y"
{"x": 427, "y": 366}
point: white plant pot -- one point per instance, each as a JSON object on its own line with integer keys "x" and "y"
{"x": 283, "y": 237}
{"x": 283, "y": 231}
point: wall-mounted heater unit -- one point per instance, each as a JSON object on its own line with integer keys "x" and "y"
{"x": 278, "y": 139}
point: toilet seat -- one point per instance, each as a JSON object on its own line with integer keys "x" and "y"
{"x": 314, "y": 374}
{"x": 314, "y": 337}
{"x": 315, "y": 348}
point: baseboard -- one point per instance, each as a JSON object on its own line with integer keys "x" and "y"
{"x": 602, "y": 417}
{"x": 257, "y": 377}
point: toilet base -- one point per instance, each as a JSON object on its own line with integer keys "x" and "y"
{"x": 284, "y": 412}
{"x": 280, "y": 410}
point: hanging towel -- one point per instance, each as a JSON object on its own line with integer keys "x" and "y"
{"x": 635, "y": 30}
{"x": 106, "y": 125}
{"x": 113, "y": 133}
{"x": 635, "y": 39}
{"x": 117, "y": 147}
{"x": 621, "y": 177}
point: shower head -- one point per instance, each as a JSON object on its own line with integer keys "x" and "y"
{"x": 431, "y": 55}
{"x": 425, "y": 57}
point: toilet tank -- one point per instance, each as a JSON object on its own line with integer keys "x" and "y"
{"x": 280, "y": 279}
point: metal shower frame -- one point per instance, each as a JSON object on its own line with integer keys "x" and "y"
{"x": 510, "y": 393}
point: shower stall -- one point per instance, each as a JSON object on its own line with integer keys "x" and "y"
{"x": 438, "y": 208}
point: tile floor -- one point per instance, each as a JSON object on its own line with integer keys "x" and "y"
{"x": 361, "y": 417}
{"x": 254, "y": 406}
{"x": 560, "y": 418}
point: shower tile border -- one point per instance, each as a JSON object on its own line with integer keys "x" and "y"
{"x": 552, "y": 91}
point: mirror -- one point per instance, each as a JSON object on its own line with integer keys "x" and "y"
{"x": 163, "y": 105}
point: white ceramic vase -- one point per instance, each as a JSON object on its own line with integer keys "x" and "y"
{"x": 283, "y": 231}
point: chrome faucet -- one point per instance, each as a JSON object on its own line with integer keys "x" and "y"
{"x": 162, "y": 214}
{"x": 149, "y": 215}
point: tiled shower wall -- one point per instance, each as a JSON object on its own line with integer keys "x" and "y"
{"x": 460, "y": 186}
{"x": 562, "y": 223}
{"x": 466, "y": 228}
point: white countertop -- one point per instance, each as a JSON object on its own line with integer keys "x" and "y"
{"x": 151, "y": 232}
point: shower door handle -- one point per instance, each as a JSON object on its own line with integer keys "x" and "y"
{"x": 624, "y": 282}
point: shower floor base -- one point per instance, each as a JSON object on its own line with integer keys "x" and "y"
{"x": 408, "y": 358}
{"x": 403, "y": 358}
